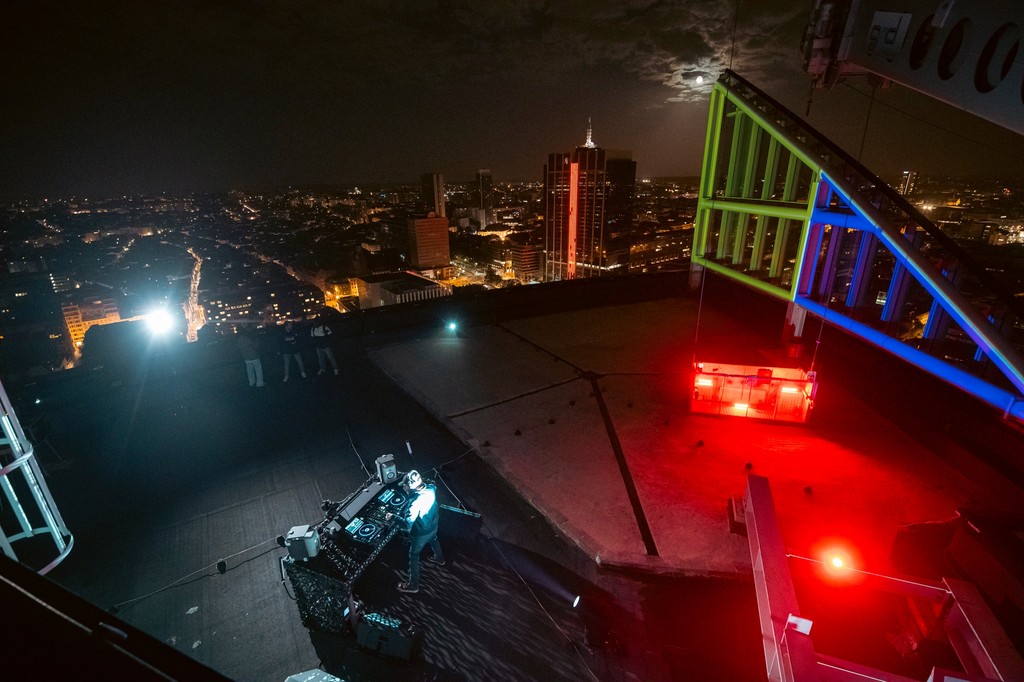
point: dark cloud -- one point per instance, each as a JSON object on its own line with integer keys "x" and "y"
{"x": 206, "y": 93}
{"x": 400, "y": 42}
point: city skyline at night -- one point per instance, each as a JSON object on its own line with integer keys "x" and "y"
{"x": 597, "y": 270}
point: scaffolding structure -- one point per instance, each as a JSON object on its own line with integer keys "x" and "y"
{"x": 784, "y": 210}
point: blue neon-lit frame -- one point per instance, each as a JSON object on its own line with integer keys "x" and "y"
{"x": 989, "y": 341}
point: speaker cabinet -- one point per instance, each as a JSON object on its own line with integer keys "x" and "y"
{"x": 387, "y": 637}
{"x": 302, "y": 542}
{"x": 386, "y": 471}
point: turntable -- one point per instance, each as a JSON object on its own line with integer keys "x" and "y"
{"x": 363, "y": 530}
{"x": 391, "y": 499}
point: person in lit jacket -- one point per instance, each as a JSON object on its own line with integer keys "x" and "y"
{"x": 423, "y": 516}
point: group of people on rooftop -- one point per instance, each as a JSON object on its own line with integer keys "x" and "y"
{"x": 292, "y": 343}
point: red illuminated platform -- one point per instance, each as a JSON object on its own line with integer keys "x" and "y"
{"x": 782, "y": 394}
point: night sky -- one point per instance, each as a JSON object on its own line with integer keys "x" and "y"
{"x": 105, "y": 98}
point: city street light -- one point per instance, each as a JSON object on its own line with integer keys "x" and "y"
{"x": 160, "y": 321}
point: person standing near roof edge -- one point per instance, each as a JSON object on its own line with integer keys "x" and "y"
{"x": 320, "y": 333}
{"x": 290, "y": 349}
{"x": 249, "y": 345}
{"x": 423, "y": 517}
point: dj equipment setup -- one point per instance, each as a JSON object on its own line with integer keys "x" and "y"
{"x": 325, "y": 560}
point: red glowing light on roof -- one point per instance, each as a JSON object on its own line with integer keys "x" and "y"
{"x": 753, "y": 392}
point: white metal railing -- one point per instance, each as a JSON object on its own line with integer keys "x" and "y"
{"x": 30, "y": 510}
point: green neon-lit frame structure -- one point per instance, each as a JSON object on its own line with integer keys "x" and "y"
{"x": 785, "y": 211}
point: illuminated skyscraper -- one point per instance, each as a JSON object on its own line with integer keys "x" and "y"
{"x": 432, "y": 193}
{"x": 428, "y": 242}
{"x": 526, "y": 262}
{"x": 485, "y": 196}
{"x": 907, "y": 182}
{"x": 577, "y": 188}
{"x": 620, "y": 193}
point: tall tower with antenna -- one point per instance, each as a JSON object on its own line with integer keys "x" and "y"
{"x": 577, "y": 185}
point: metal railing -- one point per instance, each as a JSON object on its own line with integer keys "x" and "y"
{"x": 29, "y": 510}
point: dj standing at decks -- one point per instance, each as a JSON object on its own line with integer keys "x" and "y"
{"x": 423, "y": 518}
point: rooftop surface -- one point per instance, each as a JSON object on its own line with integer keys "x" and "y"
{"x": 597, "y": 399}
{"x": 568, "y": 432}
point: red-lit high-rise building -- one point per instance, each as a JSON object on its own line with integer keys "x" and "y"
{"x": 578, "y": 187}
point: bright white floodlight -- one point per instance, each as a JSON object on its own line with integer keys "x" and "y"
{"x": 160, "y": 321}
